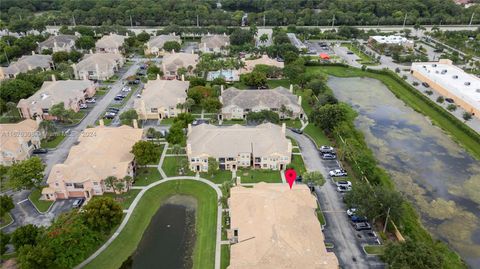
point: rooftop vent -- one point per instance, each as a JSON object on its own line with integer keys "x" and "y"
{"x": 455, "y": 77}
{"x": 444, "y": 71}
{"x": 467, "y": 83}
{"x": 44, "y": 96}
{"x": 477, "y": 90}
{"x": 434, "y": 65}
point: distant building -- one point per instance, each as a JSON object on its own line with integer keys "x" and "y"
{"x": 58, "y": 43}
{"x": 238, "y": 103}
{"x": 159, "y": 99}
{"x": 71, "y": 92}
{"x": 101, "y": 152}
{"x": 18, "y": 140}
{"x": 264, "y": 147}
{"x": 391, "y": 40}
{"x": 451, "y": 82}
{"x": 296, "y": 42}
{"x": 173, "y": 61}
{"x": 98, "y": 66}
{"x": 273, "y": 226}
{"x": 214, "y": 43}
{"x": 155, "y": 44}
{"x": 111, "y": 43}
{"x": 264, "y": 60}
{"x": 25, "y": 64}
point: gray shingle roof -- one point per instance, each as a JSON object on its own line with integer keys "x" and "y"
{"x": 251, "y": 99}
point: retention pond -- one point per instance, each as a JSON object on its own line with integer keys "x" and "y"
{"x": 436, "y": 174}
{"x": 169, "y": 239}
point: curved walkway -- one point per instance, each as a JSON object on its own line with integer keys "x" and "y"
{"x": 137, "y": 200}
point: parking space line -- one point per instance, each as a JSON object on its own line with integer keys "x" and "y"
{"x": 22, "y": 201}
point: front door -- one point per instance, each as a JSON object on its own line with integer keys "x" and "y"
{"x": 198, "y": 168}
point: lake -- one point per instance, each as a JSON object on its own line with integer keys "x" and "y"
{"x": 438, "y": 176}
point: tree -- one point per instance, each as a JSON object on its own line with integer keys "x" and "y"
{"x": 241, "y": 37}
{"x": 127, "y": 117}
{"x": 4, "y": 240}
{"x": 197, "y": 81}
{"x": 75, "y": 56}
{"x": 25, "y": 235}
{"x": 85, "y": 43}
{"x": 467, "y": 116}
{"x": 171, "y": 45}
{"x": 270, "y": 71}
{"x": 6, "y": 204}
{"x": 212, "y": 166}
{"x": 198, "y": 93}
{"x": 60, "y": 57}
{"x": 26, "y": 174}
{"x": 314, "y": 177}
{"x": 110, "y": 183}
{"x": 317, "y": 86}
{"x": 295, "y": 71}
{"x": 328, "y": 116}
{"x": 451, "y": 107}
{"x": 176, "y": 134}
{"x": 143, "y": 37}
{"x": 13, "y": 90}
{"x": 263, "y": 38}
{"x": 412, "y": 254}
{"x": 211, "y": 104}
{"x": 255, "y": 79}
{"x": 62, "y": 114}
{"x": 48, "y": 127}
{"x": 145, "y": 152}
{"x": 102, "y": 214}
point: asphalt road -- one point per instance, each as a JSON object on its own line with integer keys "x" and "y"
{"x": 338, "y": 229}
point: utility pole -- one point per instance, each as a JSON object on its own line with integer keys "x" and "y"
{"x": 197, "y": 22}
{"x": 333, "y": 21}
{"x": 471, "y": 19}
{"x": 131, "y": 22}
{"x": 386, "y": 220}
{"x": 405, "y": 20}
{"x": 8, "y": 62}
{"x": 74, "y": 23}
{"x": 263, "y": 20}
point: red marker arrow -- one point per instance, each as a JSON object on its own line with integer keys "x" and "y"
{"x": 290, "y": 175}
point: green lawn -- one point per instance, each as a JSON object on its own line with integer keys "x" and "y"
{"x": 146, "y": 176}
{"x": 159, "y": 150}
{"x": 316, "y": 134}
{"x": 296, "y": 150}
{"x": 101, "y": 91}
{"x": 225, "y": 261}
{"x": 206, "y": 215}
{"x": 273, "y": 83}
{"x": 422, "y": 105}
{"x": 170, "y": 150}
{"x": 172, "y": 164}
{"x": 259, "y": 175}
{"x": 5, "y": 220}
{"x": 219, "y": 176}
{"x": 167, "y": 121}
{"x": 294, "y": 142}
{"x": 52, "y": 143}
{"x": 12, "y": 116}
{"x": 320, "y": 216}
{"x": 364, "y": 58}
{"x": 298, "y": 165}
{"x": 125, "y": 199}
{"x": 232, "y": 122}
{"x": 292, "y": 123}
{"x": 41, "y": 205}
{"x": 374, "y": 249}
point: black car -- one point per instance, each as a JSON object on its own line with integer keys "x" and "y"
{"x": 40, "y": 151}
{"x": 449, "y": 100}
{"x": 113, "y": 109}
{"x": 298, "y": 131}
{"x": 350, "y": 53}
{"x": 299, "y": 178}
{"x": 357, "y": 219}
{"x": 425, "y": 85}
{"x": 118, "y": 98}
{"x": 109, "y": 116}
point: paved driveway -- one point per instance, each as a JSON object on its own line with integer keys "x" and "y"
{"x": 338, "y": 229}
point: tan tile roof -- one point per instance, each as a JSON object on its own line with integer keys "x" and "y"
{"x": 260, "y": 99}
{"x": 218, "y": 141}
{"x": 101, "y": 152}
{"x": 110, "y": 41}
{"x": 162, "y": 93}
{"x": 105, "y": 61}
{"x": 250, "y": 64}
{"x": 10, "y": 133}
{"x": 28, "y": 61}
{"x": 54, "y": 92}
{"x": 159, "y": 40}
{"x": 61, "y": 40}
{"x": 277, "y": 228}
{"x": 214, "y": 41}
{"x": 173, "y": 61}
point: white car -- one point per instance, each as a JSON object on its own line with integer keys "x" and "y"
{"x": 344, "y": 188}
{"x": 344, "y": 183}
{"x": 326, "y": 149}
{"x": 139, "y": 95}
{"x": 338, "y": 173}
{"x": 126, "y": 89}
{"x": 83, "y": 106}
{"x": 351, "y": 211}
{"x": 91, "y": 100}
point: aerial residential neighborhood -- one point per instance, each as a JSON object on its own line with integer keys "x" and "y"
{"x": 239, "y": 134}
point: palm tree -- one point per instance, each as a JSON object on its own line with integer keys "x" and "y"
{"x": 48, "y": 128}
{"x": 263, "y": 38}
{"x": 110, "y": 182}
{"x": 128, "y": 181}
{"x": 181, "y": 106}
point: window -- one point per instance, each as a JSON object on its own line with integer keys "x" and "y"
{"x": 68, "y": 184}
{"x": 154, "y": 110}
{"x": 230, "y": 159}
{"x": 78, "y": 185}
{"x": 95, "y": 183}
{"x": 45, "y": 110}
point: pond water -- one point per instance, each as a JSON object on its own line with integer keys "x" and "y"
{"x": 437, "y": 175}
{"x": 169, "y": 239}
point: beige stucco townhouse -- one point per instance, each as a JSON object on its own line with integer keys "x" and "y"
{"x": 25, "y": 64}
{"x": 58, "y": 43}
{"x": 101, "y": 152}
{"x": 173, "y": 61}
{"x": 111, "y": 43}
{"x": 18, "y": 140}
{"x": 98, "y": 66}
{"x": 260, "y": 147}
{"x": 155, "y": 44}
{"x": 214, "y": 43}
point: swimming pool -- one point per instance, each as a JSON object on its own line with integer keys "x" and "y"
{"x": 228, "y": 75}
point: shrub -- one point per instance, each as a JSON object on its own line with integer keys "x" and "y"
{"x": 440, "y": 99}
{"x": 451, "y": 107}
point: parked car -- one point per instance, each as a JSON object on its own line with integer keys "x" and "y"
{"x": 113, "y": 109}
{"x": 109, "y": 116}
{"x": 343, "y": 188}
{"x": 350, "y": 53}
{"x": 425, "y": 85}
{"x": 90, "y": 100}
{"x": 351, "y": 211}
{"x": 126, "y": 89}
{"x": 138, "y": 95}
{"x": 338, "y": 173}
{"x": 40, "y": 151}
{"x": 361, "y": 226}
{"x": 344, "y": 183}
{"x": 449, "y": 100}
{"x": 298, "y": 131}
{"x": 329, "y": 156}
{"x": 118, "y": 98}
{"x": 299, "y": 178}
{"x": 78, "y": 202}
{"x": 357, "y": 219}
{"x": 82, "y": 106}
{"x": 326, "y": 149}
